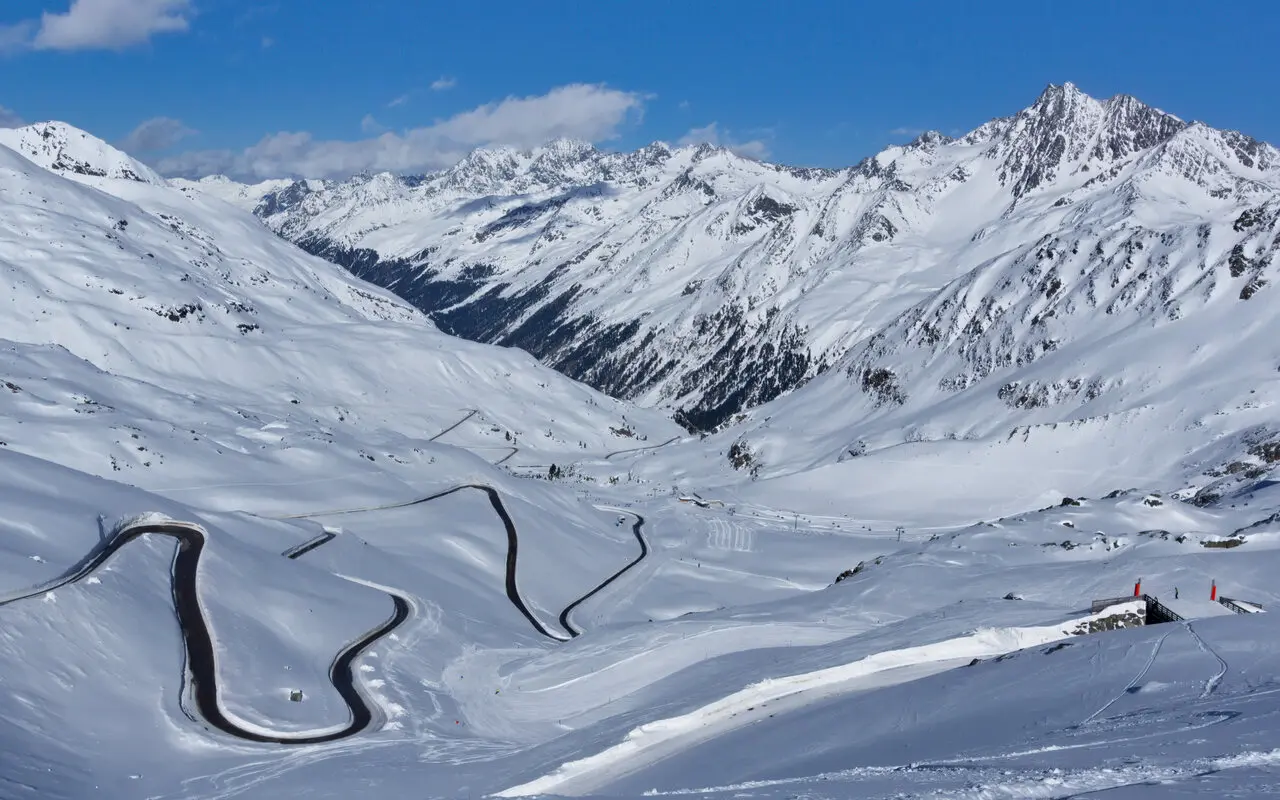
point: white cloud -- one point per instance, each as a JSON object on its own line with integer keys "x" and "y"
{"x": 908, "y": 132}
{"x": 158, "y": 133}
{"x": 9, "y": 119}
{"x": 98, "y": 24}
{"x": 443, "y": 82}
{"x": 683, "y": 105}
{"x": 579, "y": 111}
{"x": 399, "y": 101}
{"x": 16, "y": 38}
{"x": 370, "y": 125}
{"x": 267, "y": 42}
{"x": 712, "y": 134}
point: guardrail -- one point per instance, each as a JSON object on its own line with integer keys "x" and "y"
{"x": 1157, "y": 612}
{"x": 1099, "y": 605}
{"x": 1236, "y": 607}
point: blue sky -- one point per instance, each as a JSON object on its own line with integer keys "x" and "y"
{"x": 334, "y": 86}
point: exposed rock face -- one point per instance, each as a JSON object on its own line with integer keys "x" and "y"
{"x": 1112, "y": 622}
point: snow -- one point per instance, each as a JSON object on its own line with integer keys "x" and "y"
{"x": 654, "y": 740}
{"x": 729, "y": 661}
{"x": 934, "y": 260}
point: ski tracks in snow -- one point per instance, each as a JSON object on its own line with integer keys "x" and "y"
{"x": 1155, "y": 651}
{"x": 729, "y": 536}
{"x": 1211, "y": 685}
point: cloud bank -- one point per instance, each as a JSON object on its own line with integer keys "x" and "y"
{"x": 590, "y": 112}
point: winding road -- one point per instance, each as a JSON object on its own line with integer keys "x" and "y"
{"x": 309, "y": 545}
{"x": 644, "y": 551}
{"x": 473, "y": 411}
{"x": 513, "y": 551}
{"x": 672, "y": 440}
{"x": 201, "y": 656}
{"x": 513, "y": 542}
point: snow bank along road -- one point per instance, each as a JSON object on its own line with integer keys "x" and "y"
{"x": 202, "y": 666}
{"x": 672, "y": 440}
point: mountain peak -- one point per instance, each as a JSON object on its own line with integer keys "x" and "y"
{"x": 564, "y": 146}
{"x": 1066, "y": 126}
{"x": 1057, "y": 94}
{"x": 1130, "y": 125}
{"x": 929, "y": 140}
{"x": 66, "y": 149}
{"x": 1062, "y": 103}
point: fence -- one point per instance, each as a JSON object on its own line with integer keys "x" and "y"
{"x": 1157, "y": 612}
{"x": 1099, "y": 605}
{"x": 1236, "y": 607}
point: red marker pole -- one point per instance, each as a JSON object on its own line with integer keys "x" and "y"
{"x": 1213, "y": 591}
{"x": 1137, "y": 588}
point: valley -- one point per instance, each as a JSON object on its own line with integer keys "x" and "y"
{"x": 568, "y": 472}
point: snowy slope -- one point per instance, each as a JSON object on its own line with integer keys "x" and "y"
{"x": 120, "y": 282}
{"x": 695, "y": 279}
{"x": 1139, "y": 353}
{"x": 166, "y": 360}
{"x": 59, "y": 147}
{"x": 243, "y": 196}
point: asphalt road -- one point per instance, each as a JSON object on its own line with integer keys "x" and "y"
{"x": 513, "y": 543}
{"x": 672, "y": 440}
{"x": 454, "y": 425}
{"x": 201, "y": 656}
{"x": 202, "y": 664}
{"x": 513, "y": 549}
{"x": 644, "y": 551}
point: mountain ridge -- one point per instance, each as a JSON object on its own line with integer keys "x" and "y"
{"x": 706, "y": 283}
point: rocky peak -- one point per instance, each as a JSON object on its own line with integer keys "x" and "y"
{"x": 929, "y": 140}
{"x": 1131, "y": 126}
{"x": 1056, "y": 129}
{"x": 564, "y": 161}
{"x": 483, "y": 168}
{"x": 1066, "y": 127}
{"x": 283, "y": 200}
{"x": 68, "y": 150}
{"x": 564, "y": 149}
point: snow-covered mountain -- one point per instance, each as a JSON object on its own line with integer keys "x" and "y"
{"x": 695, "y": 279}
{"x": 266, "y": 532}
{"x": 67, "y": 150}
{"x": 1113, "y": 327}
{"x": 132, "y": 305}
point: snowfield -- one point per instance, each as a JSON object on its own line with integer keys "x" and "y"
{"x": 385, "y": 589}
